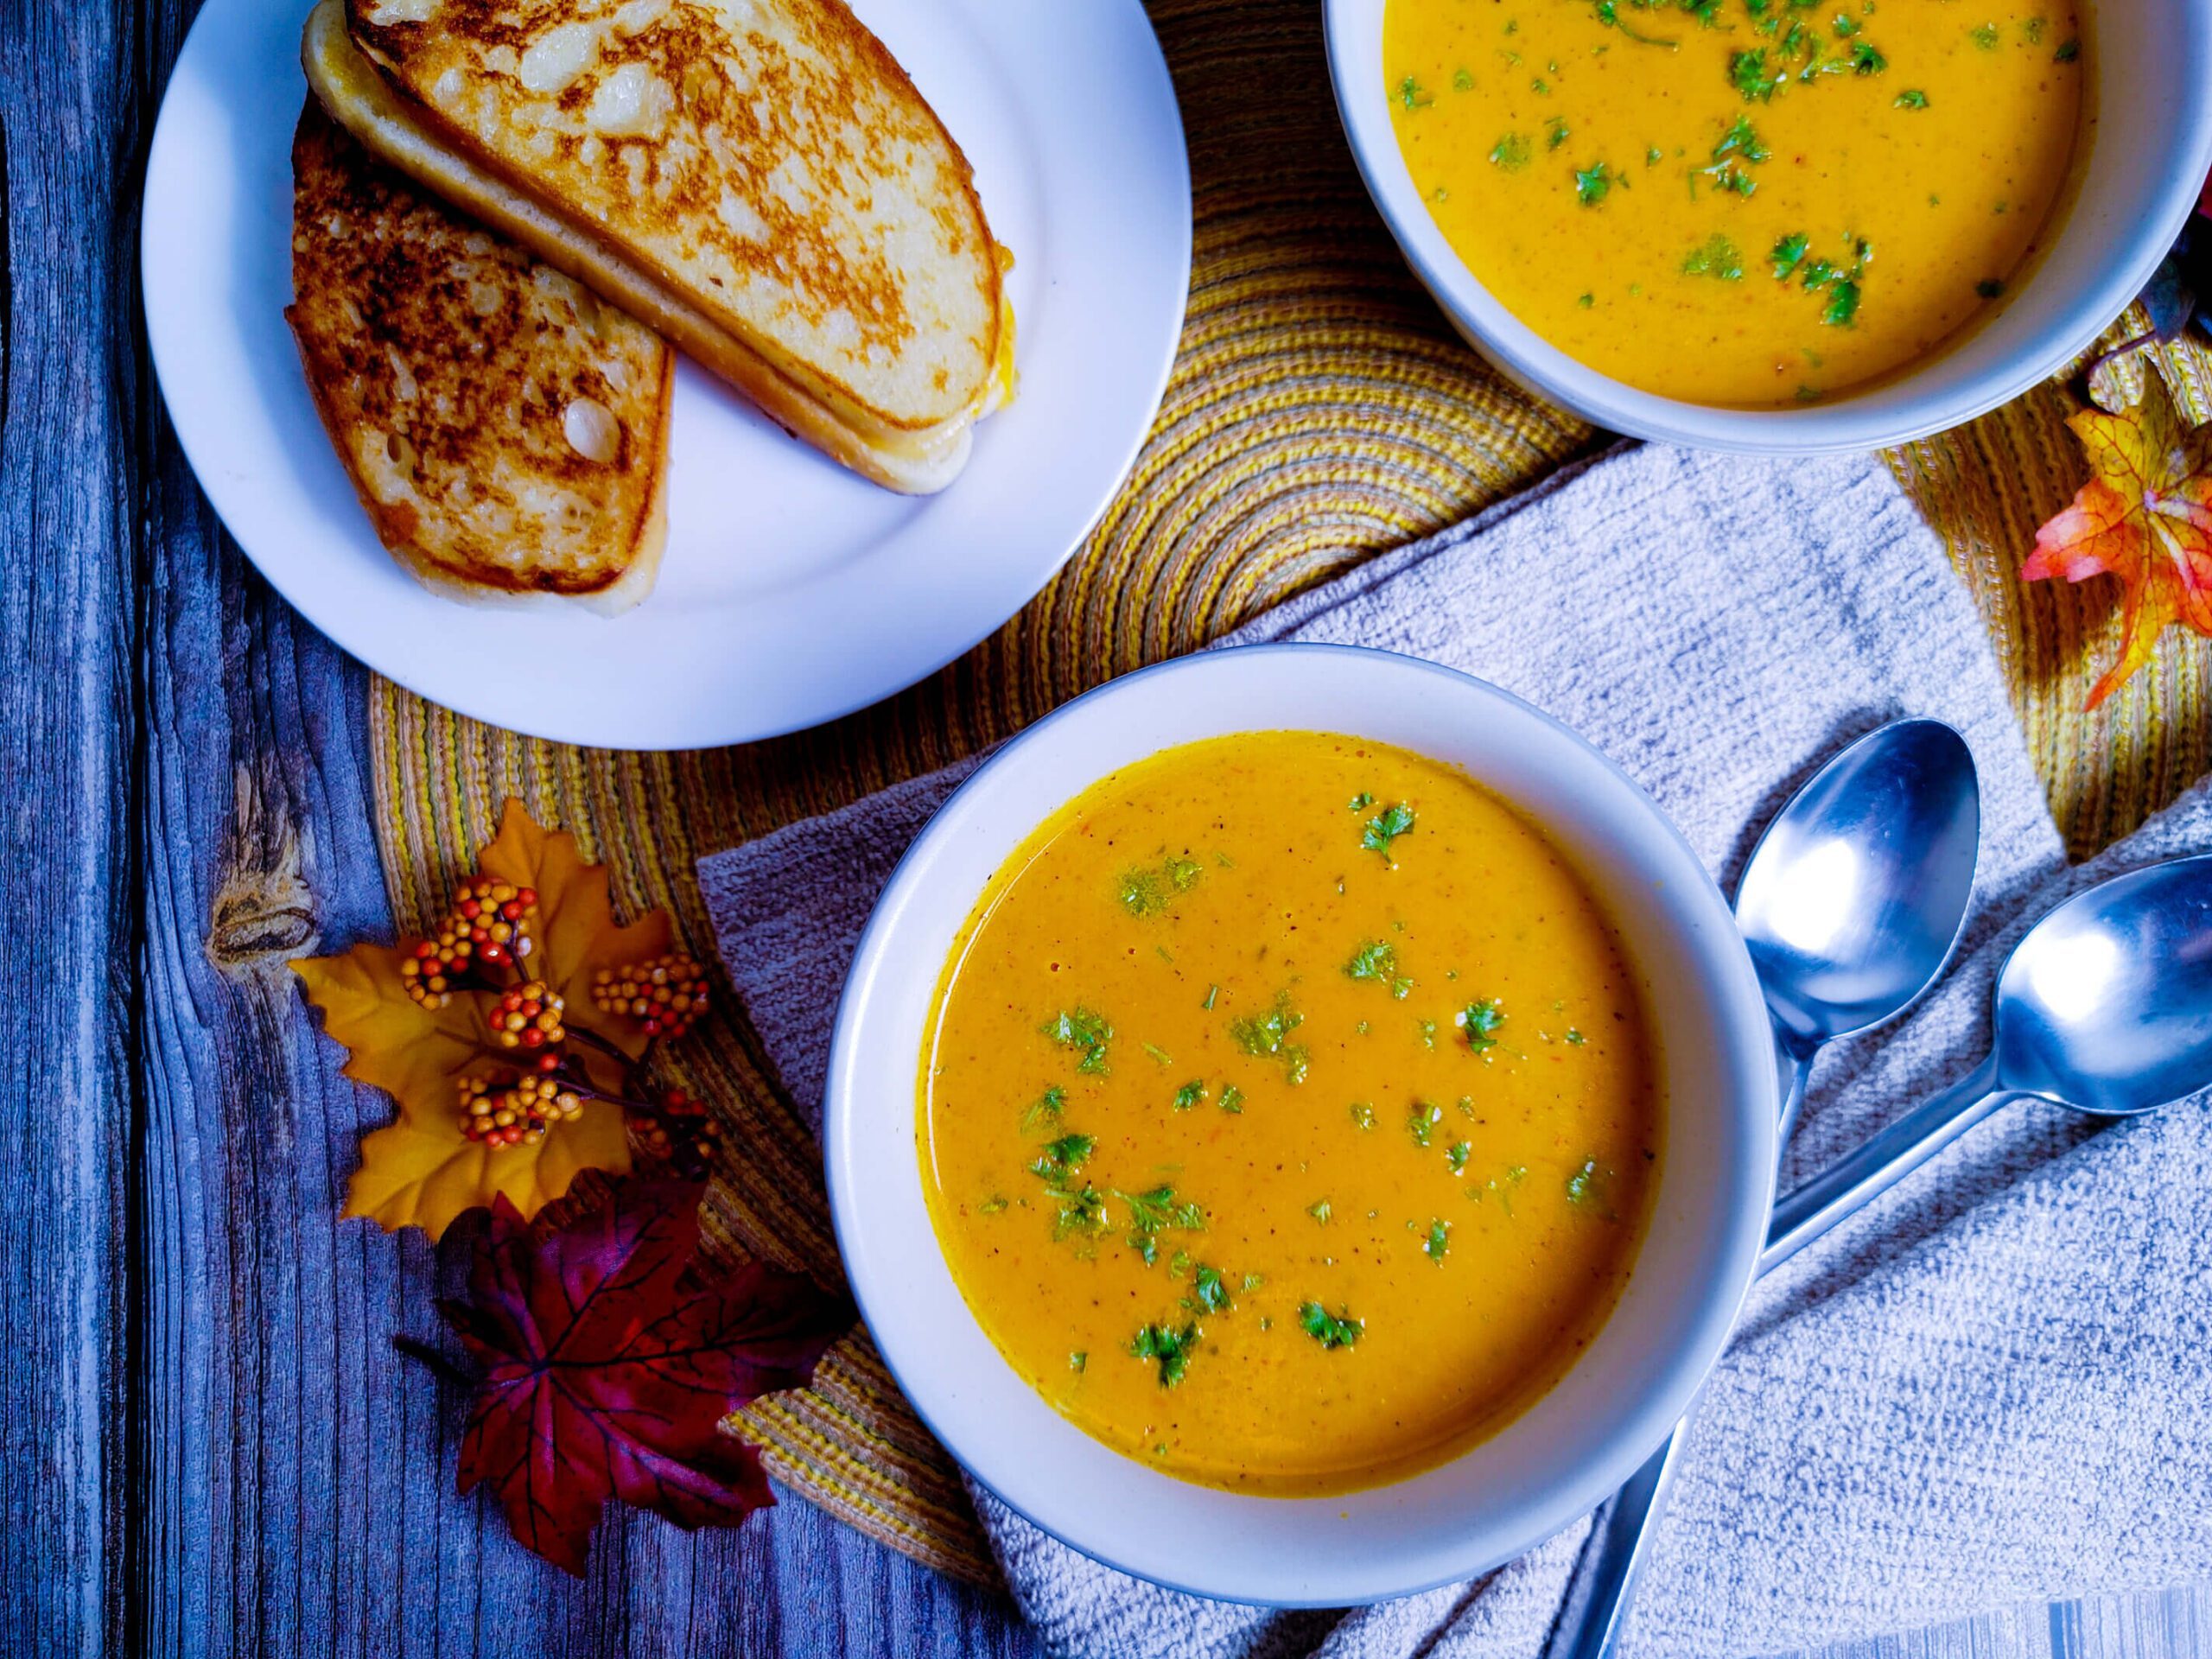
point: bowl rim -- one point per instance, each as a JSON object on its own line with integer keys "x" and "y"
{"x": 1880, "y": 417}
{"x": 1743, "y": 1027}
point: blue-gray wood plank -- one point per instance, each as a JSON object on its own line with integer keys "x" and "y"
{"x": 206, "y": 1443}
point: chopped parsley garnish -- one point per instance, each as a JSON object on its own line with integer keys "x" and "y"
{"x": 1984, "y": 36}
{"x": 1081, "y": 1209}
{"x": 1457, "y": 1155}
{"x": 1045, "y": 1111}
{"x": 995, "y": 1205}
{"x": 1158, "y": 1055}
{"x": 1320, "y": 1212}
{"x": 1575, "y": 1037}
{"x": 1077, "y": 1360}
{"x": 1360, "y": 802}
{"x": 1583, "y": 1186}
{"x": 1593, "y": 184}
{"x": 1555, "y": 133}
{"x": 1428, "y": 1033}
{"x": 1911, "y": 98}
{"x": 1063, "y": 1158}
{"x": 1840, "y": 283}
{"x": 1172, "y": 1349}
{"x": 1192, "y": 1093}
{"x": 1989, "y": 287}
{"x": 1747, "y": 73}
{"x": 1411, "y": 95}
{"x": 1148, "y": 892}
{"x": 1738, "y": 148}
{"x": 1267, "y": 1035}
{"x": 1212, "y": 991}
{"x": 2068, "y": 51}
{"x": 1715, "y": 257}
{"x": 1210, "y": 1290}
{"x": 1386, "y": 826}
{"x": 1438, "y": 1241}
{"x": 1232, "y": 1098}
{"x": 1330, "y": 1330}
{"x": 1362, "y": 1115}
{"x": 1421, "y": 1121}
{"x": 1156, "y": 1211}
{"x": 1377, "y": 959}
{"x": 1609, "y": 15}
{"x": 1865, "y": 61}
{"x": 1480, "y": 1020}
{"x": 1462, "y": 81}
{"x": 1510, "y": 152}
{"x": 1085, "y": 1031}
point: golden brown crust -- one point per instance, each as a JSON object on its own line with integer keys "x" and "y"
{"x": 765, "y": 163}
{"x": 506, "y": 432}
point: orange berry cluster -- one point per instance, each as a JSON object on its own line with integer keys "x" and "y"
{"x": 505, "y": 1110}
{"x": 668, "y": 994}
{"x": 527, "y": 1015}
{"x": 678, "y": 1129}
{"x": 484, "y": 926}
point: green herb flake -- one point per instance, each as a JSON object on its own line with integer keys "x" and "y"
{"x": 1586, "y": 302}
{"x": 1044, "y": 1112}
{"x": 1362, "y": 1115}
{"x": 1330, "y": 1330}
{"x": 1984, "y": 36}
{"x": 1170, "y": 1348}
{"x": 1480, "y": 1020}
{"x": 1458, "y": 1154}
{"x": 1865, "y": 61}
{"x": 1747, "y": 73}
{"x": 1421, "y": 1121}
{"x": 1575, "y": 1036}
{"x": 1411, "y": 95}
{"x": 1320, "y": 1212}
{"x": 1063, "y": 1158}
{"x": 1210, "y": 1290}
{"x": 995, "y": 1205}
{"x": 1077, "y": 1360}
{"x": 1555, "y": 132}
{"x": 1086, "y": 1032}
{"x": 1360, "y": 802}
{"x": 1213, "y": 992}
{"x": 1593, "y": 184}
{"x": 1156, "y": 1211}
{"x": 1268, "y": 1036}
{"x": 1192, "y": 1093}
{"x": 1462, "y": 81}
{"x": 1911, "y": 98}
{"x": 1715, "y": 257}
{"x": 1438, "y": 1241}
{"x": 2068, "y": 51}
{"x": 1385, "y": 827}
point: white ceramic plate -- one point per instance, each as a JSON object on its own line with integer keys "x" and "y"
{"x": 1625, "y": 1393}
{"x": 791, "y": 591}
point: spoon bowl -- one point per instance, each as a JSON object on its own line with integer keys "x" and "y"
{"x": 1854, "y": 897}
{"x": 2106, "y": 1005}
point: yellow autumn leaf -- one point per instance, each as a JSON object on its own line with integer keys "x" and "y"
{"x": 421, "y": 1170}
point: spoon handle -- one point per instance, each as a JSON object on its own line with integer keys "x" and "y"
{"x": 1599, "y": 1604}
{"x": 1802, "y": 1215}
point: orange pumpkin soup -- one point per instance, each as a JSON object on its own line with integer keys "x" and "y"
{"x": 1748, "y": 202}
{"x": 1289, "y": 1116}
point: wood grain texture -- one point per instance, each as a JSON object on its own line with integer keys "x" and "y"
{"x": 210, "y": 1446}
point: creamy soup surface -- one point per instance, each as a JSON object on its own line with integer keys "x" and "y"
{"x": 1290, "y": 1116}
{"x": 1743, "y": 202}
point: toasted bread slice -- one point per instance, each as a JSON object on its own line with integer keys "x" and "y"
{"x": 507, "y": 432}
{"x": 757, "y": 179}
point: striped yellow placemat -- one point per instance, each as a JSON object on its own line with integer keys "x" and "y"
{"x": 1321, "y": 410}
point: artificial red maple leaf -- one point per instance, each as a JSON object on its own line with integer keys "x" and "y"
{"x": 609, "y": 1362}
{"x": 2145, "y": 516}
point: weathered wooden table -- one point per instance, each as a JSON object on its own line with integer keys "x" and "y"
{"x": 207, "y": 1444}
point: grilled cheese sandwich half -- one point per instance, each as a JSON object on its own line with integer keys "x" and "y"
{"x": 506, "y": 430}
{"x": 756, "y": 180}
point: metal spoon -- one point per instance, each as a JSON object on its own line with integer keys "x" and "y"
{"x": 1850, "y": 903}
{"x": 2105, "y": 1007}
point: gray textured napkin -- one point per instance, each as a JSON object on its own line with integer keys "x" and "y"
{"x": 1992, "y": 1387}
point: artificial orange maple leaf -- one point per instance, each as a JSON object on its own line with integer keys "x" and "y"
{"x": 421, "y": 1170}
{"x": 2145, "y": 516}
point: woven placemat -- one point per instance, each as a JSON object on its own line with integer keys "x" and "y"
{"x": 1320, "y": 412}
